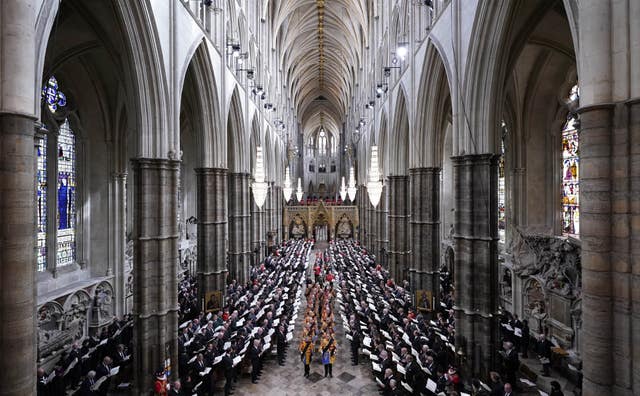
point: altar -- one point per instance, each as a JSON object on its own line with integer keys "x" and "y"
{"x": 321, "y": 221}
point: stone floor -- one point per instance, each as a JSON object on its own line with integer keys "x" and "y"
{"x": 288, "y": 380}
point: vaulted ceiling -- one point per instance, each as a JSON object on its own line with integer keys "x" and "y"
{"x": 320, "y": 46}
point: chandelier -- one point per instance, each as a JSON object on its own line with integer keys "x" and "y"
{"x": 374, "y": 186}
{"x": 287, "y": 189}
{"x": 351, "y": 190}
{"x": 343, "y": 190}
{"x": 299, "y": 191}
{"x": 259, "y": 186}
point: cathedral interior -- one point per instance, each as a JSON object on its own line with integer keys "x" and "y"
{"x": 213, "y": 196}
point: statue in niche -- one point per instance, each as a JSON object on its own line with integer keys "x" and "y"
{"x": 452, "y": 231}
{"x": 129, "y": 285}
{"x": 103, "y": 300}
{"x": 128, "y": 254}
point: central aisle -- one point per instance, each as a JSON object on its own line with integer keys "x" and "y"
{"x": 288, "y": 380}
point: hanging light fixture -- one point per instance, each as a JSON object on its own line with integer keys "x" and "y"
{"x": 374, "y": 186}
{"x": 287, "y": 190}
{"x": 351, "y": 190}
{"x": 259, "y": 186}
{"x": 343, "y": 190}
{"x": 299, "y": 191}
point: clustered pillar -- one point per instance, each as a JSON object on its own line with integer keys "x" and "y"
{"x": 155, "y": 256}
{"x": 257, "y": 230}
{"x": 382, "y": 240}
{"x": 424, "y": 272}
{"x": 398, "y": 253}
{"x": 239, "y": 226}
{"x": 17, "y": 198}
{"x": 476, "y": 242}
{"x": 212, "y": 229}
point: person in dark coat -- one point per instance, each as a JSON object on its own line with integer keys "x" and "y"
{"x": 555, "y": 389}
{"x": 42, "y": 383}
{"x": 355, "y": 343}
{"x": 254, "y": 355}
{"x": 281, "y": 340}
{"x": 85, "y": 388}
{"x": 544, "y": 353}
{"x": 227, "y": 364}
{"x": 526, "y": 337}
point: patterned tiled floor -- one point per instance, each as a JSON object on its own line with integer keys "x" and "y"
{"x": 288, "y": 380}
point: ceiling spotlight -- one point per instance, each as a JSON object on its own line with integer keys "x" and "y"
{"x": 394, "y": 60}
{"x": 379, "y": 88}
{"x": 372, "y": 103}
{"x": 361, "y": 122}
{"x": 402, "y": 51}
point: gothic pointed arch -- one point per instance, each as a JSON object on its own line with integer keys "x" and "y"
{"x": 237, "y": 153}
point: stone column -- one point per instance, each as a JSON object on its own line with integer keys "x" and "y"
{"x": 362, "y": 211}
{"x": 476, "y": 247}
{"x": 610, "y": 196}
{"x": 18, "y": 341}
{"x": 239, "y": 222}
{"x": 632, "y": 271}
{"x": 17, "y": 261}
{"x": 270, "y": 215}
{"x": 424, "y": 272}
{"x": 118, "y": 234}
{"x": 382, "y": 240}
{"x": 258, "y": 227}
{"x": 155, "y": 297}
{"x": 277, "y": 214}
{"x": 398, "y": 254}
{"x": 371, "y": 225}
{"x": 212, "y": 194}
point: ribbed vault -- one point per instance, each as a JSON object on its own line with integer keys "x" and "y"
{"x": 320, "y": 46}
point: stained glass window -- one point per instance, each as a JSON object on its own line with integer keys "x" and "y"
{"x": 41, "y": 204}
{"x": 502, "y": 218}
{"x": 52, "y": 96}
{"x": 66, "y": 188}
{"x": 571, "y": 173}
{"x": 322, "y": 143}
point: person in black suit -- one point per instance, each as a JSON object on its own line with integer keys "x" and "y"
{"x": 85, "y": 388}
{"x": 414, "y": 376}
{"x": 355, "y": 342}
{"x": 227, "y": 364}
{"x": 281, "y": 339}
{"x": 511, "y": 363}
{"x": 507, "y": 390}
{"x": 176, "y": 389}
{"x": 42, "y": 383}
{"x": 254, "y": 355}
{"x": 102, "y": 370}
{"x": 544, "y": 352}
